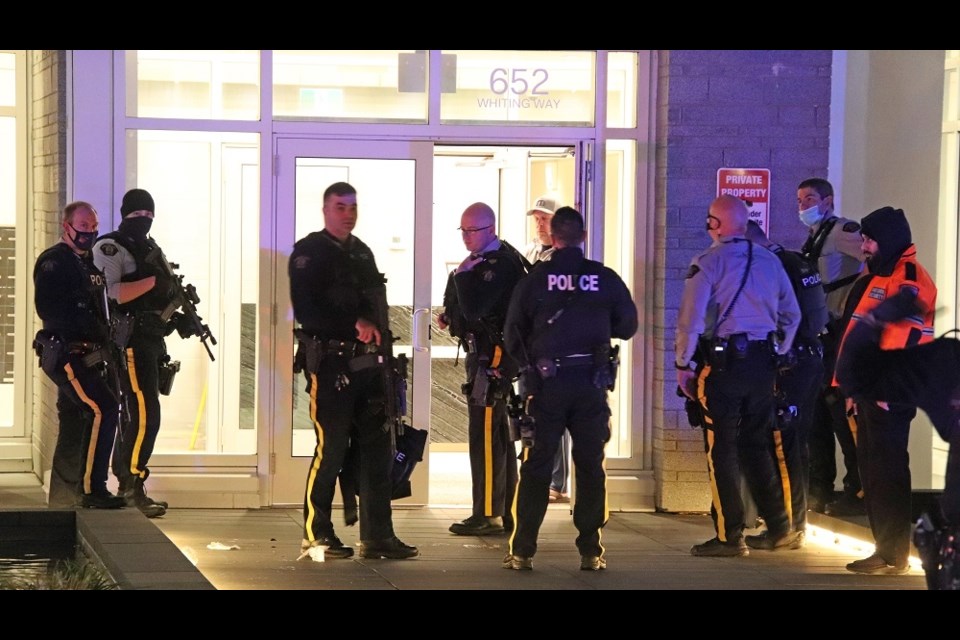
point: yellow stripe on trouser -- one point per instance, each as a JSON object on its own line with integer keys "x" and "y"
{"x": 488, "y": 461}
{"x": 513, "y": 506}
{"x": 488, "y": 444}
{"x": 714, "y": 492}
{"x": 94, "y": 434}
{"x": 711, "y": 468}
{"x": 317, "y": 457}
{"x": 784, "y": 475}
{"x": 141, "y": 413}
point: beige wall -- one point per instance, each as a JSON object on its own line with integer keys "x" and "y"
{"x": 47, "y": 97}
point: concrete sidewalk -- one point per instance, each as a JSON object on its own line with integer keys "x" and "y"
{"x": 644, "y": 551}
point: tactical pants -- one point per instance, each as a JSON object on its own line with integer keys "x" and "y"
{"x": 140, "y": 385}
{"x": 739, "y": 418}
{"x": 88, "y": 412}
{"x": 569, "y": 401}
{"x": 799, "y": 386}
{"x": 882, "y": 443}
{"x": 355, "y": 410}
{"x": 493, "y": 456}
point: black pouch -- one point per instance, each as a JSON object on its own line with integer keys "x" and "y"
{"x": 480, "y": 393}
{"x": 547, "y": 367}
{"x": 737, "y": 346}
{"x": 49, "y": 349}
{"x": 165, "y": 375}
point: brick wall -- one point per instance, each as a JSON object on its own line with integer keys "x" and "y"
{"x": 751, "y": 109}
{"x": 47, "y": 133}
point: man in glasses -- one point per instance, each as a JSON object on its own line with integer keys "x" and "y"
{"x": 475, "y": 306}
{"x": 738, "y": 313}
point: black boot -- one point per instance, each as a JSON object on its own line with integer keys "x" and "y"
{"x": 137, "y": 497}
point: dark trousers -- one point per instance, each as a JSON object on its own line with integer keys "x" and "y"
{"x": 354, "y": 411}
{"x": 831, "y": 427}
{"x": 138, "y": 435}
{"x": 567, "y": 401}
{"x": 739, "y": 417}
{"x": 798, "y": 388}
{"x": 882, "y": 441}
{"x": 493, "y": 456}
{"x": 88, "y": 413}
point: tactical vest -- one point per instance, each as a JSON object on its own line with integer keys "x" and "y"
{"x": 154, "y": 300}
{"x": 807, "y": 285}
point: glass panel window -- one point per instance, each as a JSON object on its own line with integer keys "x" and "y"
{"x": 201, "y": 84}
{"x": 622, "y": 89}
{"x": 206, "y": 189}
{"x": 371, "y": 86}
{"x": 518, "y": 87}
{"x": 618, "y": 254}
{"x": 8, "y": 79}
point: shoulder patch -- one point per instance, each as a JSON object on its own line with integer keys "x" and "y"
{"x": 851, "y": 227}
{"x": 488, "y": 275}
{"x": 108, "y": 248}
{"x": 48, "y": 265}
{"x": 692, "y": 271}
{"x": 301, "y": 262}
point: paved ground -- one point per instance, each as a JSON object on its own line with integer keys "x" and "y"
{"x": 644, "y": 551}
{"x": 258, "y": 549}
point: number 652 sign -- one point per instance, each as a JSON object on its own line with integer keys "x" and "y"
{"x": 519, "y": 81}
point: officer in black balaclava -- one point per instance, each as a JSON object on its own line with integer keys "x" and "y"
{"x": 144, "y": 291}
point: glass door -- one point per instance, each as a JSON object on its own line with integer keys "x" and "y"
{"x": 394, "y": 185}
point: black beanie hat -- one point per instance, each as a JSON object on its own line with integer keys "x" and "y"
{"x": 889, "y": 227}
{"x": 136, "y": 200}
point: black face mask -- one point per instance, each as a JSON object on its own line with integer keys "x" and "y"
{"x": 83, "y": 240}
{"x": 136, "y": 227}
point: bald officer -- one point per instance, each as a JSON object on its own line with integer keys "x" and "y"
{"x": 737, "y": 313}
{"x": 560, "y": 321}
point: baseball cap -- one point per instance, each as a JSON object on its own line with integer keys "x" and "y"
{"x": 546, "y": 204}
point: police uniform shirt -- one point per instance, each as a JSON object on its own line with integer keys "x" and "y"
{"x": 327, "y": 279}
{"x": 593, "y": 303}
{"x": 115, "y": 261}
{"x": 765, "y": 304}
{"x": 69, "y": 295}
{"x": 840, "y": 257}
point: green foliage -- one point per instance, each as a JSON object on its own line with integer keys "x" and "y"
{"x": 75, "y": 574}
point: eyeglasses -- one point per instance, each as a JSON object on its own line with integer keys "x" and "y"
{"x": 468, "y": 231}
{"x": 713, "y": 223}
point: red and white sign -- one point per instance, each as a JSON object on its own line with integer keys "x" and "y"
{"x": 751, "y": 186}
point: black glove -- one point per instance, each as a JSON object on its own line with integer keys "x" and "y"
{"x": 897, "y": 307}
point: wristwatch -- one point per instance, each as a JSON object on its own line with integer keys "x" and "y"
{"x": 685, "y": 367}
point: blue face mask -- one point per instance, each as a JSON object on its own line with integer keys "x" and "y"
{"x": 811, "y": 216}
{"x": 83, "y": 240}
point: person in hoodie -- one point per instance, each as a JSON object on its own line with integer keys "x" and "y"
{"x": 927, "y": 375}
{"x": 883, "y": 427}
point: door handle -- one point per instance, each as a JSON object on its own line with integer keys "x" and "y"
{"x": 421, "y": 329}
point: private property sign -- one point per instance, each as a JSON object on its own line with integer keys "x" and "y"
{"x": 750, "y": 185}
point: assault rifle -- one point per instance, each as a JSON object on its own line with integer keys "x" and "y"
{"x": 183, "y": 296}
{"x": 408, "y": 443}
{"x": 394, "y": 368}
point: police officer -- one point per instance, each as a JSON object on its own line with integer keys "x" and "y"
{"x": 738, "y": 312}
{"x": 333, "y": 284}
{"x": 73, "y": 347}
{"x": 142, "y": 291}
{"x": 559, "y": 325}
{"x": 800, "y": 374}
{"x": 475, "y": 306}
{"x": 927, "y": 376}
{"x": 834, "y": 243}
{"x": 884, "y": 427}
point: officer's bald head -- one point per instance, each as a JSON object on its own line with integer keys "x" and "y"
{"x": 731, "y": 215}
{"x": 479, "y": 214}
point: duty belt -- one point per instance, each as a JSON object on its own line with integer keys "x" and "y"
{"x": 548, "y": 367}
{"x": 81, "y": 347}
{"x": 809, "y": 350}
{"x": 92, "y": 353}
{"x": 347, "y": 348}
